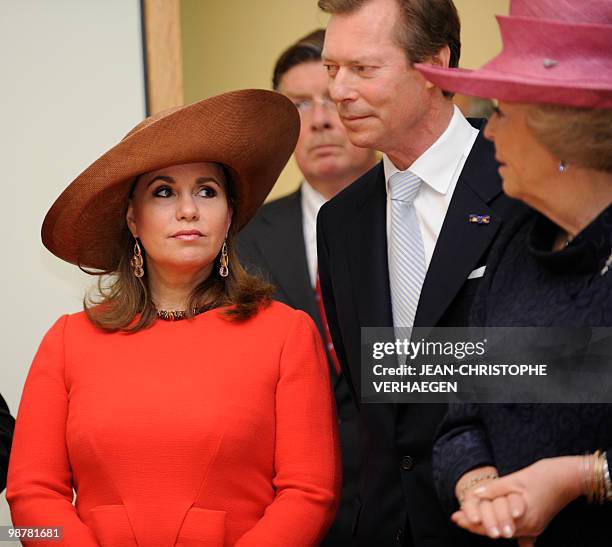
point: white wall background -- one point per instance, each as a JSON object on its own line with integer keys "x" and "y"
{"x": 71, "y": 85}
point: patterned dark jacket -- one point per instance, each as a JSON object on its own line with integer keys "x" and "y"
{"x": 528, "y": 285}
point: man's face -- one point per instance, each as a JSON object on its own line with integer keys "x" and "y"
{"x": 323, "y": 150}
{"x": 379, "y": 95}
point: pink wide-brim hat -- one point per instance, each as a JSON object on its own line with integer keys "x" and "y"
{"x": 554, "y": 52}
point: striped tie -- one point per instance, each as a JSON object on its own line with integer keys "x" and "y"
{"x": 407, "y": 255}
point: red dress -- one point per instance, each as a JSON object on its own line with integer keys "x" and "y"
{"x": 190, "y": 433}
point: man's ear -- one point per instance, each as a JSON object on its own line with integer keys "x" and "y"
{"x": 131, "y": 221}
{"x": 441, "y": 59}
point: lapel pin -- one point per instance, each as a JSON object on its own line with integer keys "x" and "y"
{"x": 479, "y": 219}
{"x": 549, "y": 63}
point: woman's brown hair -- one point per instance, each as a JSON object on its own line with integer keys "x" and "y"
{"x": 122, "y": 302}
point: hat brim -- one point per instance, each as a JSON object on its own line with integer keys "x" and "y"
{"x": 251, "y": 132}
{"x": 520, "y": 89}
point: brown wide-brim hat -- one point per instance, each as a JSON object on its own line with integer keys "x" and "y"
{"x": 554, "y": 52}
{"x": 252, "y": 132}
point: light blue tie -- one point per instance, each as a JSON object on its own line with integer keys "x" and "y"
{"x": 407, "y": 254}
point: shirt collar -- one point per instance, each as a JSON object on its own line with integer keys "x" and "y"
{"x": 312, "y": 201}
{"x": 438, "y": 164}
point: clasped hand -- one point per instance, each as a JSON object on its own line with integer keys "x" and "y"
{"x": 523, "y": 503}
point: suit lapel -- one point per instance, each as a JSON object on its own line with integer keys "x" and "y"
{"x": 458, "y": 250}
{"x": 285, "y": 254}
{"x": 367, "y": 242}
{"x": 461, "y": 244}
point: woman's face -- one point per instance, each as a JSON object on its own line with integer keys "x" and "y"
{"x": 527, "y": 168}
{"x": 181, "y": 216}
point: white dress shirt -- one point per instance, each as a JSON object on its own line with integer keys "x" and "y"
{"x": 312, "y": 201}
{"x": 439, "y": 167}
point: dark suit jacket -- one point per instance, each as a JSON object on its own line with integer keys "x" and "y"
{"x": 7, "y": 425}
{"x": 398, "y": 502}
{"x": 272, "y": 245}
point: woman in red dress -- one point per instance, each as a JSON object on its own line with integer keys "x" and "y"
{"x": 182, "y": 406}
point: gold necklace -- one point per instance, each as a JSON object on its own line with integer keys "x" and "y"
{"x": 176, "y": 315}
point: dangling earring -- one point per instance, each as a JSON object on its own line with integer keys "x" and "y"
{"x": 136, "y": 261}
{"x": 562, "y": 166}
{"x": 224, "y": 268}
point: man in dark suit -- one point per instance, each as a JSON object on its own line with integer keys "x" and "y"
{"x": 7, "y": 425}
{"x": 396, "y": 248}
{"x": 280, "y": 241}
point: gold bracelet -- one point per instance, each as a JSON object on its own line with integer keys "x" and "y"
{"x": 597, "y": 473}
{"x": 602, "y": 478}
{"x": 606, "y": 474}
{"x": 595, "y": 479}
{"x": 473, "y": 482}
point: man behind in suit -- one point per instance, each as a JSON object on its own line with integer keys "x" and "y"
{"x": 396, "y": 248}
{"x": 280, "y": 241}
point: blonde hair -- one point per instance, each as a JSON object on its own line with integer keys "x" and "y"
{"x": 577, "y": 136}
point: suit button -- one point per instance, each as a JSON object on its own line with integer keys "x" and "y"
{"x": 407, "y": 463}
{"x": 399, "y": 536}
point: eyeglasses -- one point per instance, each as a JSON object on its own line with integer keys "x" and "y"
{"x": 305, "y": 106}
